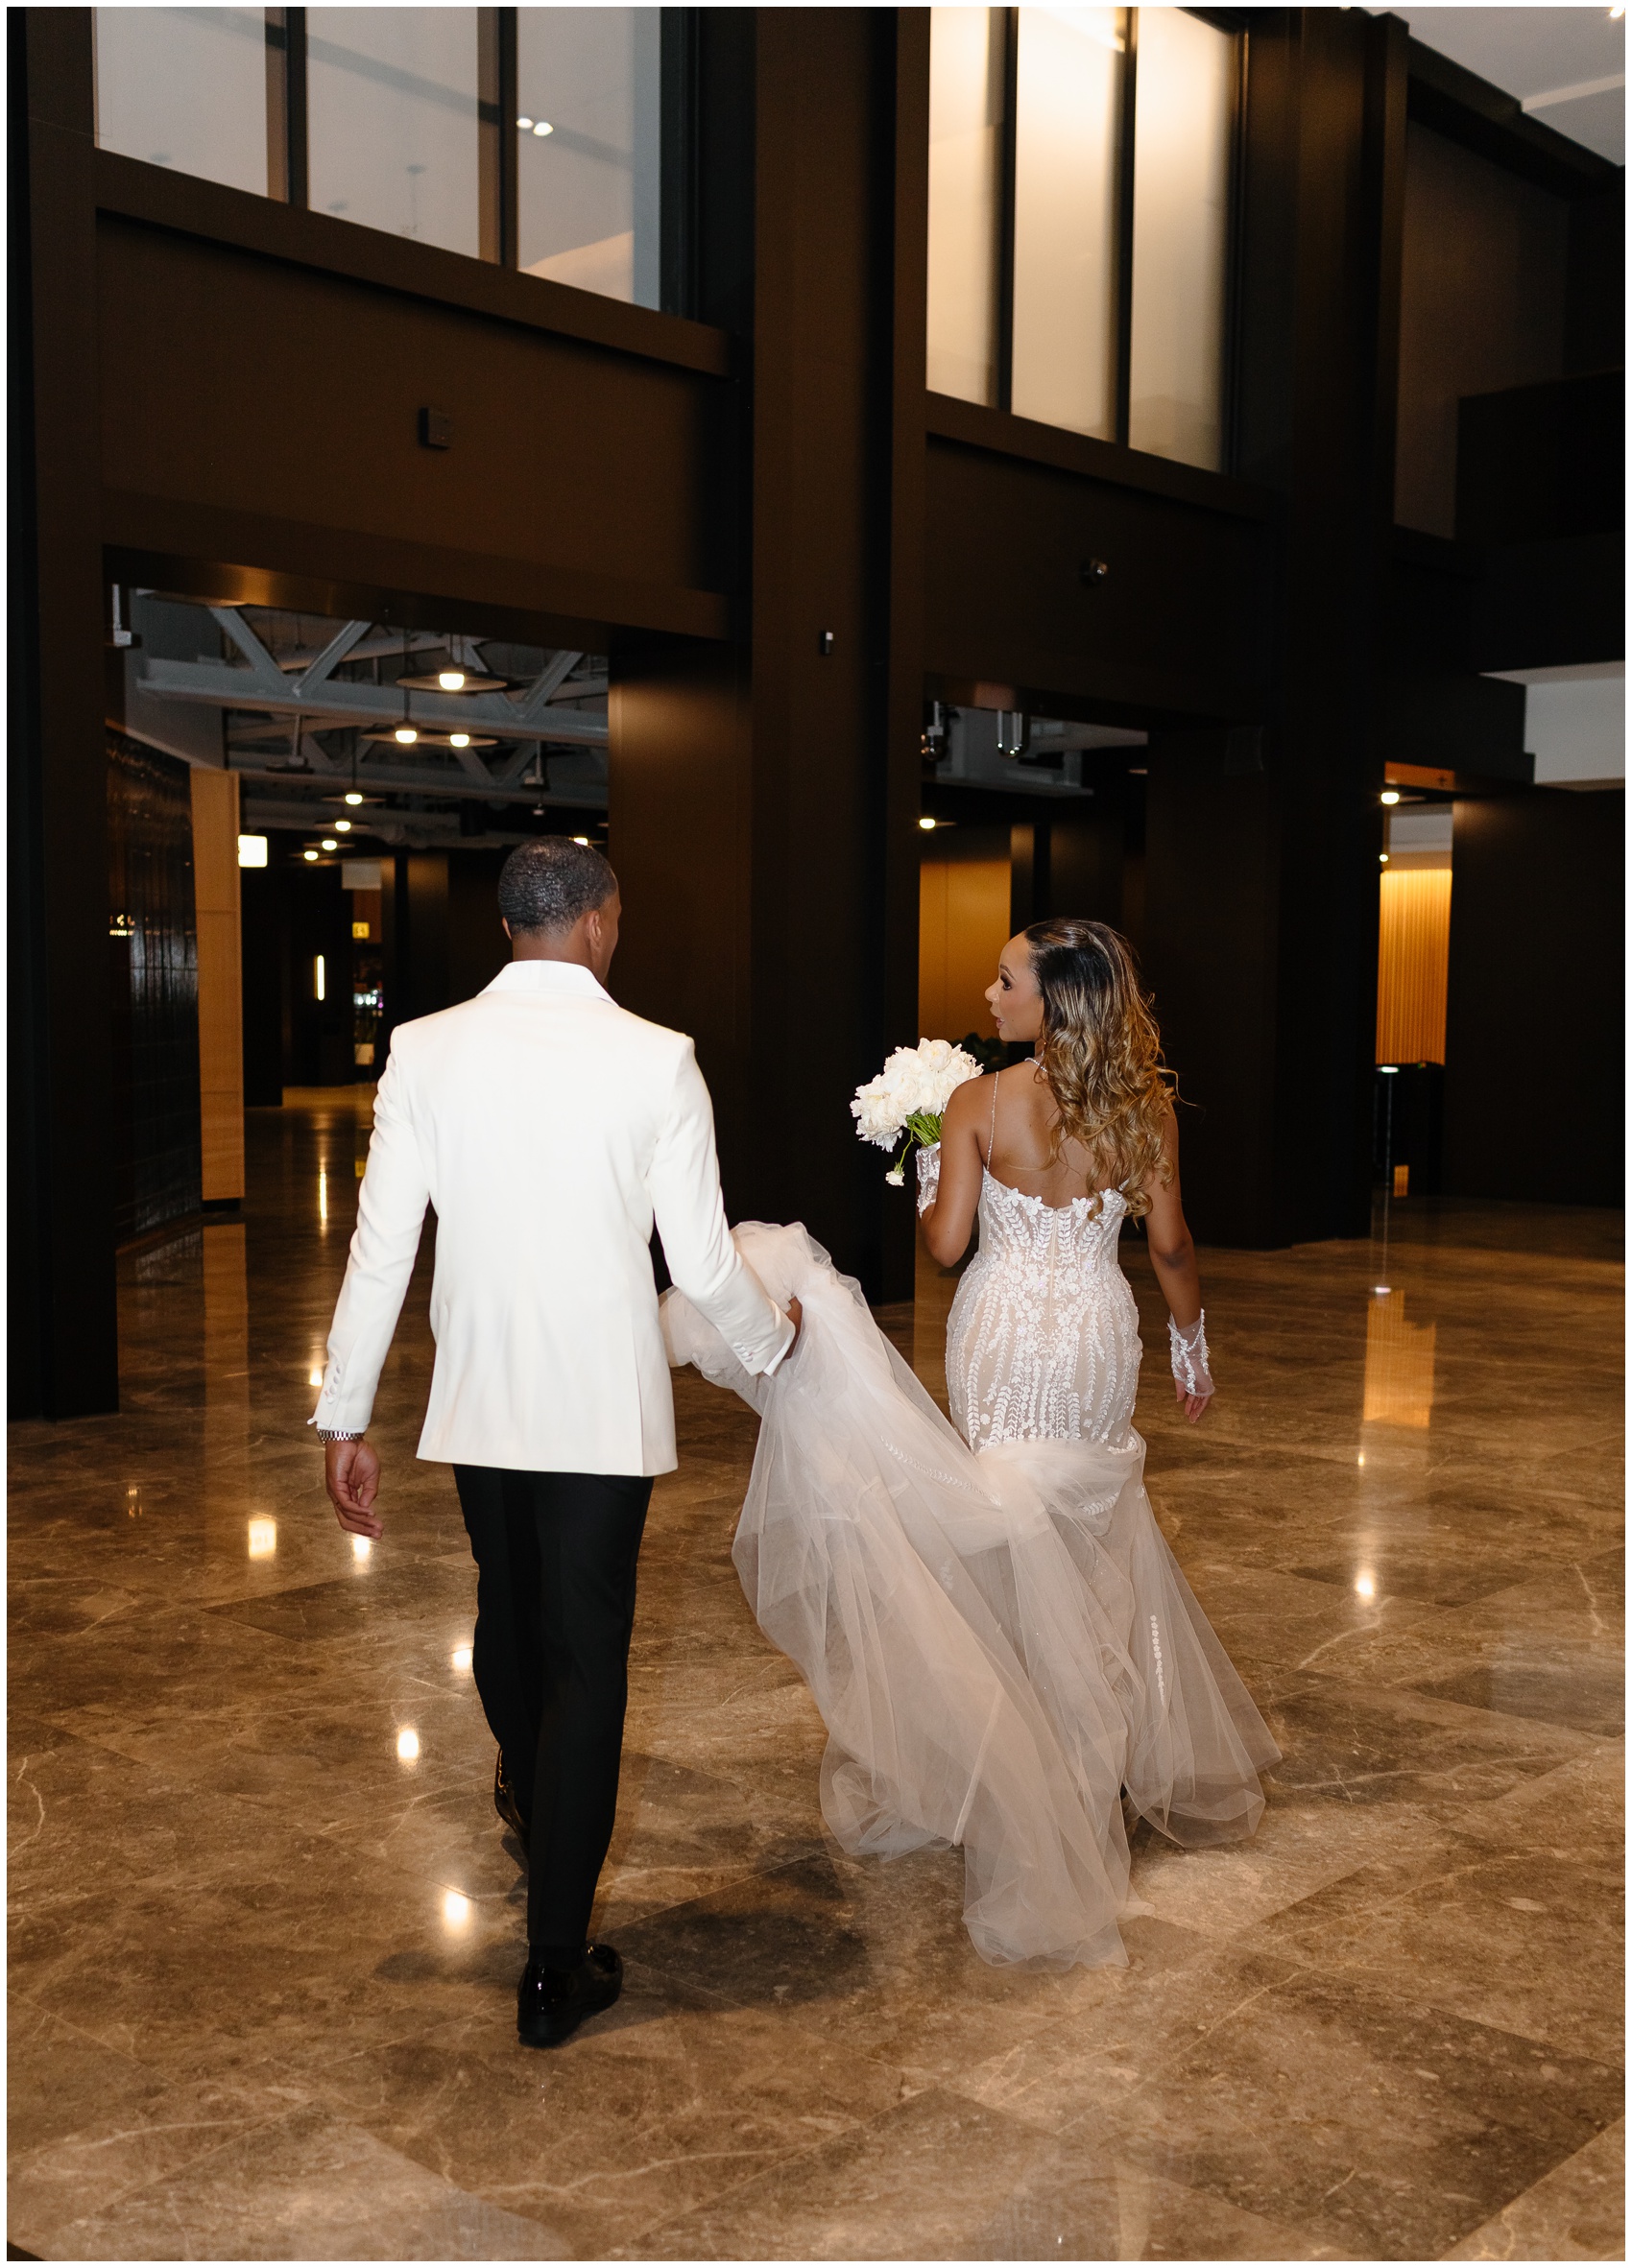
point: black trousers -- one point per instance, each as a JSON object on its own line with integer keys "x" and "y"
{"x": 556, "y": 1555}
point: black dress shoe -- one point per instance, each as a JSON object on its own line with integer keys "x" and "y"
{"x": 506, "y": 1805}
{"x": 553, "y": 2002}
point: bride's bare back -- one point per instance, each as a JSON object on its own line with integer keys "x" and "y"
{"x": 1022, "y": 1119}
{"x": 1006, "y": 1123}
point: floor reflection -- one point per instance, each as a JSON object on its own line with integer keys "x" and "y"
{"x": 1399, "y": 1384}
{"x": 1390, "y": 2029}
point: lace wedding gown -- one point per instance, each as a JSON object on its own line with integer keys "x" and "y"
{"x": 990, "y": 1623}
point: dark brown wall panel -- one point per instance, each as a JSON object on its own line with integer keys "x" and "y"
{"x": 1173, "y": 629}
{"x": 1537, "y": 955}
{"x": 153, "y": 956}
{"x": 253, "y": 389}
{"x": 1483, "y": 307}
{"x": 63, "y": 1321}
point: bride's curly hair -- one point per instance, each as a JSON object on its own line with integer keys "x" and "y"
{"x": 1102, "y": 1053}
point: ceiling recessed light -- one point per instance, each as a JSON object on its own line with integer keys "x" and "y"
{"x": 459, "y": 740}
{"x": 583, "y": 841}
{"x": 330, "y": 843}
{"x": 1383, "y": 858}
{"x": 525, "y": 124}
{"x": 343, "y": 826}
{"x": 354, "y": 799}
{"x": 1390, "y": 795}
{"x": 450, "y": 679}
{"x": 310, "y": 856}
{"x": 406, "y": 734}
{"x": 543, "y": 127}
{"x": 928, "y": 824}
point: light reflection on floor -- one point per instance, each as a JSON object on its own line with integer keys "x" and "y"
{"x": 1387, "y": 2029}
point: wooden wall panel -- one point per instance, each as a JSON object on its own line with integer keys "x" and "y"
{"x": 962, "y": 925}
{"x": 1536, "y": 982}
{"x": 62, "y": 1352}
{"x": 1175, "y": 628}
{"x": 1413, "y": 963}
{"x": 221, "y": 983}
{"x": 265, "y": 415}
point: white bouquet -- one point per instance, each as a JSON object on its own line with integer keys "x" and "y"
{"x": 909, "y": 1097}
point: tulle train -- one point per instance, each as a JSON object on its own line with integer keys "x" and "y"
{"x": 998, "y": 1645}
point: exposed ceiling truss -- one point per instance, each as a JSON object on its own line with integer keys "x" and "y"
{"x": 317, "y": 697}
{"x": 315, "y": 708}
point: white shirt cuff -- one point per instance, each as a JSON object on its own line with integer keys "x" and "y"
{"x": 785, "y": 1341}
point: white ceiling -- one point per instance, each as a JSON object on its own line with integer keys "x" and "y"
{"x": 1567, "y": 65}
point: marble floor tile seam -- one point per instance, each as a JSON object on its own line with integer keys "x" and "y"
{"x": 1142, "y": 2119}
{"x": 593, "y": 2186}
{"x": 1319, "y": 1961}
{"x": 872, "y": 2239}
{"x": 1406, "y": 1703}
{"x": 111, "y": 2195}
{"x": 196, "y": 2233}
{"x": 1544, "y": 2222}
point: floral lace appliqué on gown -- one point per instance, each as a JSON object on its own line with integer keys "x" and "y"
{"x": 1043, "y": 1340}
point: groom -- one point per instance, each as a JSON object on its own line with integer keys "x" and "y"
{"x": 549, "y": 1129}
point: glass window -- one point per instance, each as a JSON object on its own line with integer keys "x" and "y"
{"x": 186, "y": 87}
{"x": 966, "y": 155}
{"x": 393, "y": 125}
{"x": 1183, "y": 108}
{"x": 1069, "y": 95}
{"x": 589, "y": 121}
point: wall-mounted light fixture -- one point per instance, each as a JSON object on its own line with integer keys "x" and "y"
{"x": 252, "y": 850}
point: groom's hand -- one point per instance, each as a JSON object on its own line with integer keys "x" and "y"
{"x": 351, "y": 1476}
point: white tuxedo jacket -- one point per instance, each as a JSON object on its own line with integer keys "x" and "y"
{"x": 549, "y": 1128}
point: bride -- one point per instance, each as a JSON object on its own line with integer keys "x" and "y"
{"x": 1001, "y": 1645}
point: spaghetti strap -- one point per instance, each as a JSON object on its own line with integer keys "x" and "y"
{"x": 992, "y": 1135}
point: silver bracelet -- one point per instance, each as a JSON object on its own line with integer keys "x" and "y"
{"x": 335, "y": 1433}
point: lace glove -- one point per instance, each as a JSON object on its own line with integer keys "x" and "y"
{"x": 1189, "y": 1351}
{"x": 928, "y": 1176}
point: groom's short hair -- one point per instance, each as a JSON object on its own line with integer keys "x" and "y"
{"x": 552, "y": 883}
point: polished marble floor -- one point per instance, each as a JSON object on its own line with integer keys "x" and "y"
{"x": 266, "y": 1928}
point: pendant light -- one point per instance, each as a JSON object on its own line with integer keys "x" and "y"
{"x": 406, "y": 734}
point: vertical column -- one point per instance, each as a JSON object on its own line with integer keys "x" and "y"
{"x": 1210, "y": 960}
{"x": 680, "y": 828}
{"x": 1536, "y": 947}
{"x": 221, "y": 983}
{"x": 842, "y": 116}
{"x": 1262, "y": 874}
{"x": 764, "y": 795}
{"x": 63, "y": 1344}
